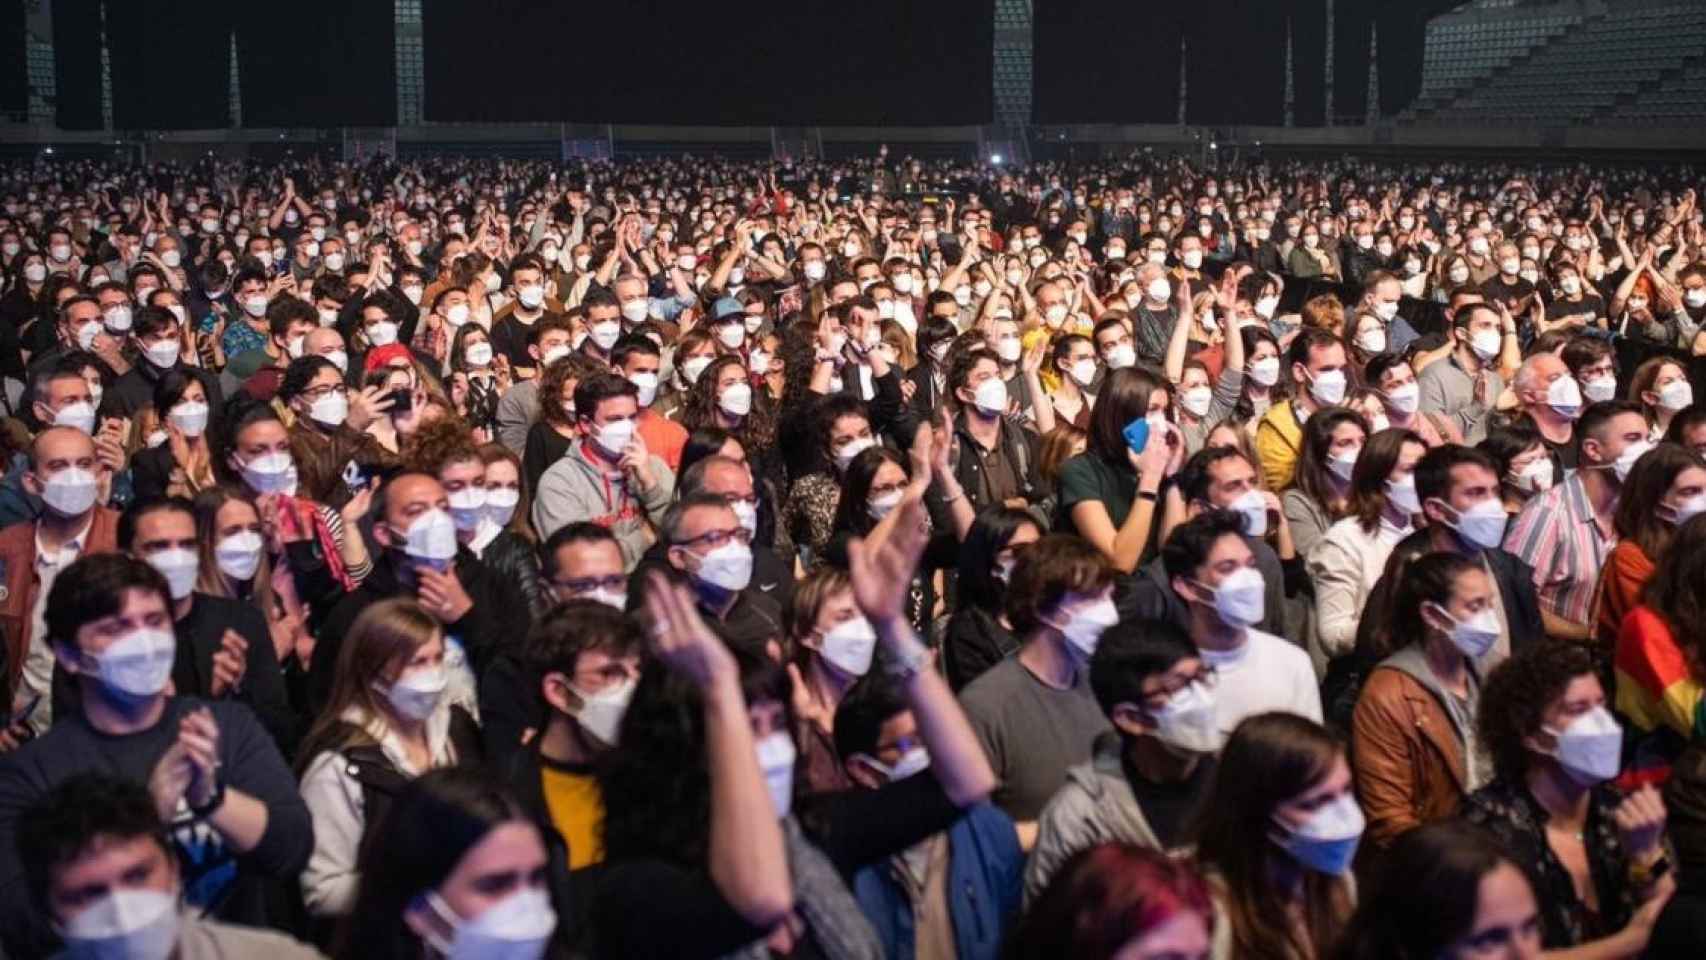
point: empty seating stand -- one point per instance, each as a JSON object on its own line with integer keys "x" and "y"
{"x": 1637, "y": 62}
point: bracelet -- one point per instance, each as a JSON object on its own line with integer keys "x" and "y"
{"x": 1149, "y": 495}
{"x": 958, "y": 495}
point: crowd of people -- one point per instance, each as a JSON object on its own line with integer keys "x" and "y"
{"x": 680, "y": 557}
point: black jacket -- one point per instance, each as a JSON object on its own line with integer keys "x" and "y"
{"x": 570, "y": 892}
{"x": 1149, "y": 594}
{"x": 1515, "y": 580}
{"x": 135, "y": 390}
{"x": 497, "y": 620}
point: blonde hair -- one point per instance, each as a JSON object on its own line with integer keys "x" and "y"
{"x": 381, "y": 641}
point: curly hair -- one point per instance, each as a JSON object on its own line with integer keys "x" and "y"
{"x": 757, "y": 430}
{"x": 570, "y": 369}
{"x": 1515, "y": 698}
{"x": 437, "y": 444}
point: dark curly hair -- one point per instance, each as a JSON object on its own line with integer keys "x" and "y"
{"x": 438, "y": 443}
{"x": 757, "y": 431}
{"x": 657, "y": 788}
{"x": 573, "y": 368}
{"x": 1515, "y": 698}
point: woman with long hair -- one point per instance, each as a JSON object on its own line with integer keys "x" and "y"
{"x": 1413, "y": 730}
{"x": 1276, "y": 839}
{"x": 457, "y": 869}
{"x": 1320, "y": 492}
{"x": 388, "y": 720}
{"x": 1118, "y": 901}
{"x": 723, "y": 396}
{"x": 1072, "y": 358}
{"x": 1108, "y": 493}
{"x": 1380, "y": 509}
{"x": 674, "y": 820}
{"x": 1664, "y": 489}
{"x": 877, "y": 481}
{"x": 841, "y": 430}
{"x": 478, "y": 377}
{"x": 1660, "y": 670}
{"x": 1525, "y": 465}
{"x": 183, "y": 465}
{"x": 1660, "y": 385}
{"x": 1445, "y": 891}
{"x": 831, "y": 646}
{"x": 978, "y": 635}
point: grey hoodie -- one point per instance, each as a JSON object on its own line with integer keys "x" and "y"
{"x": 573, "y": 489}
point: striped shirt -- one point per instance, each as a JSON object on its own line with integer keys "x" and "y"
{"x": 1558, "y": 534}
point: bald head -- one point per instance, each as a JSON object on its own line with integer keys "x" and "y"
{"x": 58, "y": 447}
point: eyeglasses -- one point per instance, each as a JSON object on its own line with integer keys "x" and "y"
{"x": 1206, "y": 678}
{"x": 716, "y": 538}
{"x": 317, "y": 393}
{"x": 616, "y": 582}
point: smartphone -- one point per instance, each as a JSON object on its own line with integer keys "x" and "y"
{"x": 402, "y": 400}
{"x": 1137, "y": 435}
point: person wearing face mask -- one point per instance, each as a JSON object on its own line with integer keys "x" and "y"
{"x": 1033, "y": 711}
{"x": 1662, "y": 386}
{"x": 422, "y": 558}
{"x": 1567, "y": 533}
{"x": 584, "y": 661}
{"x": 1465, "y": 385}
{"x": 1211, "y": 568}
{"x": 603, "y": 324}
{"x": 458, "y": 870}
{"x": 835, "y": 645}
{"x": 643, "y": 812}
{"x": 329, "y": 431}
{"x": 519, "y": 407}
{"x": 1400, "y": 401}
{"x": 967, "y": 914}
{"x": 182, "y": 465}
{"x": 1277, "y": 837}
{"x": 1150, "y": 773}
{"x": 708, "y": 547}
{"x": 1552, "y": 400}
{"x": 1664, "y": 490}
{"x": 639, "y": 360}
{"x": 62, "y": 473}
{"x": 724, "y": 475}
{"x": 96, "y": 856}
{"x": 1153, "y": 318}
{"x": 1574, "y": 302}
{"x": 1554, "y": 746}
{"x": 512, "y": 326}
{"x": 1413, "y": 747}
{"x": 390, "y": 719}
{"x": 1508, "y": 286}
{"x": 1319, "y": 373}
{"x": 206, "y": 763}
{"x": 289, "y": 321}
{"x": 609, "y": 476}
{"x": 998, "y": 461}
{"x": 224, "y": 649}
{"x": 159, "y": 335}
{"x": 978, "y": 634}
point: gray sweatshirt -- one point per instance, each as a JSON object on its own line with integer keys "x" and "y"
{"x": 574, "y": 489}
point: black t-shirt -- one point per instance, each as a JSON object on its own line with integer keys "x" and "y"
{"x": 1590, "y": 303}
{"x": 509, "y": 338}
{"x": 1169, "y": 807}
{"x": 1564, "y": 453}
{"x": 1512, "y": 293}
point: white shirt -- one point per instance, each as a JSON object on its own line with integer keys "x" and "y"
{"x": 38, "y": 659}
{"x": 1261, "y": 675}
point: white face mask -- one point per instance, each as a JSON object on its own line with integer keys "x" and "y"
{"x": 1372, "y": 341}
{"x": 1475, "y": 636}
{"x": 849, "y": 646}
{"x": 1328, "y": 387}
{"x": 1083, "y": 372}
{"x": 330, "y": 410}
{"x": 1187, "y": 723}
{"x": 601, "y": 713}
{"x": 736, "y": 400}
{"x": 1121, "y": 356}
{"x": 273, "y": 472}
{"x": 614, "y": 437}
{"x": 647, "y": 384}
{"x": 1676, "y": 395}
{"x": 430, "y": 538}
{"x": 239, "y": 555}
{"x": 117, "y": 319}
{"x": 1084, "y": 627}
{"x": 467, "y": 507}
{"x": 881, "y": 504}
{"x": 1405, "y": 398}
{"x": 179, "y": 566}
{"x": 1590, "y": 747}
{"x": 1564, "y": 396}
{"x": 70, "y": 492}
{"x": 1402, "y": 495}
{"x": 1327, "y": 841}
{"x": 382, "y": 334}
{"x": 728, "y": 567}
{"x": 776, "y": 756}
{"x": 478, "y": 354}
{"x": 990, "y": 398}
{"x": 1241, "y": 598}
{"x": 1486, "y": 344}
{"x": 851, "y": 449}
{"x": 417, "y": 693}
{"x": 605, "y": 334}
{"x": 1536, "y": 477}
{"x": 132, "y": 923}
{"x": 1482, "y": 526}
{"x": 1265, "y": 371}
{"x": 518, "y": 927}
{"x": 1196, "y": 400}
{"x": 137, "y": 664}
{"x": 1159, "y": 289}
{"x": 1600, "y": 389}
{"x": 1254, "y": 509}
{"x": 1626, "y": 461}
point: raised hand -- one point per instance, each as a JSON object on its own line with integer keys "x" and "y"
{"x": 882, "y": 577}
{"x": 680, "y": 639}
{"x": 230, "y": 662}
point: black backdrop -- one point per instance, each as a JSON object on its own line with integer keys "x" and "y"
{"x": 1105, "y": 61}
{"x": 14, "y": 67}
{"x": 77, "y": 64}
{"x": 686, "y": 61}
{"x": 170, "y": 62}
{"x": 319, "y": 63}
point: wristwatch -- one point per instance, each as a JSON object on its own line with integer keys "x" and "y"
{"x": 213, "y": 803}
